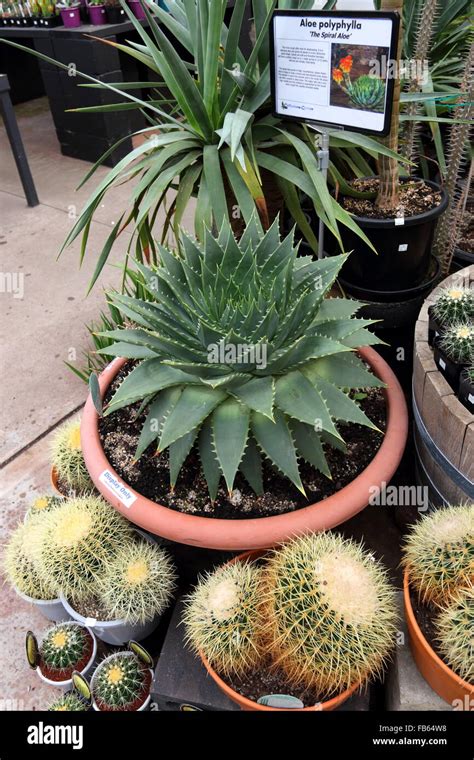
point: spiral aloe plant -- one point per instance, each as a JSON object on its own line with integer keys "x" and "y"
{"x": 241, "y": 353}
{"x": 367, "y": 92}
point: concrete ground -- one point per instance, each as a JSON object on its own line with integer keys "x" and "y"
{"x": 43, "y": 312}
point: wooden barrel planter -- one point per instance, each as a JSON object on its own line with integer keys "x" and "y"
{"x": 443, "y": 427}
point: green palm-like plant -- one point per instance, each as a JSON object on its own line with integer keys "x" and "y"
{"x": 219, "y": 310}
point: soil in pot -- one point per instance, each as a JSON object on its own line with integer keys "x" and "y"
{"x": 92, "y": 608}
{"x": 119, "y": 434}
{"x": 415, "y": 198}
{"x": 425, "y": 615}
{"x": 134, "y": 706}
{"x": 270, "y": 680}
{"x": 64, "y": 675}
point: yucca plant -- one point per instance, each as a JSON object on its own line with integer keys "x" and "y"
{"x": 219, "y": 138}
{"x": 241, "y": 354}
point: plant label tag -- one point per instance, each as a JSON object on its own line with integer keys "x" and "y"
{"x": 470, "y": 398}
{"x": 119, "y": 489}
{"x": 90, "y": 622}
{"x": 399, "y": 221}
{"x": 283, "y": 701}
{"x": 442, "y": 364}
{"x": 403, "y": 247}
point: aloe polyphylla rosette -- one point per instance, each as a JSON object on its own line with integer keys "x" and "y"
{"x": 240, "y": 353}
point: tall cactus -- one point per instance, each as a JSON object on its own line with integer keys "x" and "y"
{"x": 449, "y": 224}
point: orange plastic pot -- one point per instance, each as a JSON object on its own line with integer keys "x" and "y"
{"x": 254, "y": 533}
{"x": 248, "y": 704}
{"x": 444, "y": 681}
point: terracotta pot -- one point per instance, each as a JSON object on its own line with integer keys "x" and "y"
{"x": 54, "y": 481}
{"x": 255, "y": 533}
{"x": 248, "y": 704}
{"x": 441, "y": 678}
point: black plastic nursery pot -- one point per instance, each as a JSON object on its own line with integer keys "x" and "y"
{"x": 450, "y": 369}
{"x": 466, "y": 391}
{"x": 435, "y": 327}
{"x": 403, "y": 248}
{"x": 115, "y": 15}
{"x": 49, "y": 22}
{"x": 461, "y": 259}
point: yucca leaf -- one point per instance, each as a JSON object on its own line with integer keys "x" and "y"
{"x": 213, "y": 174}
{"x": 274, "y": 439}
{"x": 230, "y": 428}
{"x": 194, "y": 405}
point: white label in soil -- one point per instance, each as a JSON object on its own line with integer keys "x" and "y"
{"x": 403, "y": 247}
{"x": 119, "y": 489}
{"x": 470, "y": 398}
{"x": 399, "y": 221}
{"x": 442, "y": 364}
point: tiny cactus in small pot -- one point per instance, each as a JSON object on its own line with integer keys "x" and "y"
{"x": 77, "y": 542}
{"x": 454, "y": 350}
{"x": 439, "y": 554}
{"x": 42, "y": 505}
{"x": 138, "y": 583}
{"x": 65, "y": 648}
{"x": 455, "y": 634}
{"x": 69, "y": 702}
{"x": 223, "y": 618}
{"x": 69, "y": 468}
{"x": 453, "y": 305}
{"x": 466, "y": 388}
{"x": 122, "y": 682}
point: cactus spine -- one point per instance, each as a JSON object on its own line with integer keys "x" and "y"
{"x": 64, "y": 646}
{"x": 458, "y": 342}
{"x": 454, "y": 305}
{"x": 455, "y": 626}
{"x": 223, "y": 618}
{"x": 330, "y": 613}
{"x": 68, "y": 702}
{"x": 120, "y": 681}
{"x": 137, "y": 583}
{"x": 439, "y": 553}
{"x": 68, "y": 460}
{"x": 19, "y": 564}
{"x": 79, "y": 540}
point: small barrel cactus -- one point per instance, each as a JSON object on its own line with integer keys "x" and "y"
{"x": 121, "y": 682}
{"x": 43, "y": 504}
{"x": 138, "y": 582}
{"x": 367, "y": 92}
{"x": 330, "y": 613}
{"x": 68, "y": 460}
{"x": 77, "y": 543}
{"x": 457, "y": 342}
{"x": 455, "y": 627}
{"x": 65, "y": 647}
{"x": 439, "y": 553}
{"x": 19, "y": 564}
{"x": 69, "y": 702}
{"x": 223, "y": 619}
{"x": 454, "y": 305}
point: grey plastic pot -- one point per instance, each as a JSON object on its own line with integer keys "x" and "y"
{"x": 51, "y": 609}
{"x": 116, "y": 632}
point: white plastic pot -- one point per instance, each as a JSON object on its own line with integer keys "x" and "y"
{"x": 116, "y": 632}
{"x": 67, "y": 685}
{"x": 144, "y": 706}
{"x": 51, "y": 609}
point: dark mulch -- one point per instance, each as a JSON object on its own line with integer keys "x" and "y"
{"x": 267, "y": 680}
{"x": 415, "y": 198}
{"x": 119, "y": 434}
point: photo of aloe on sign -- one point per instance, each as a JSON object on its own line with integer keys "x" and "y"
{"x": 333, "y": 68}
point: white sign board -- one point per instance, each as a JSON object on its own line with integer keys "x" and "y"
{"x": 334, "y": 67}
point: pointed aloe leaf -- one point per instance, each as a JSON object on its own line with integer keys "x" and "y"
{"x": 336, "y": 443}
{"x": 337, "y": 308}
{"x": 251, "y": 467}
{"x": 342, "y": 329}
{"x": 304, "y": 349}
{"x": 127, "y": 351}
{"x": 209, "y": 462}
{"x": 341, "y": 406}
{"x": 178, "y": 451}
{"x": 258, "y": 394}
{"x": 159, "y": 410}
{"x": 360, "y": 338}
{"x": 194, "y": 405}
{"x": 150, "y": 376}
{"x": 343, "y": 370}
{"x": 94, "y": 389}
{"x": 297, "y": 397}
{"x": 274, "y": 438}
{"x": 230, "y": 428}
{"x": 309, "y": 446}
